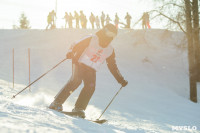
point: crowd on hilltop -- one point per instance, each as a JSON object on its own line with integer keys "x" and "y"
{"x": 97, "y": 22}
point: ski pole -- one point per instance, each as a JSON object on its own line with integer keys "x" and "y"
{"x": 38, "y": 79}
{"x": 110, "y": 102}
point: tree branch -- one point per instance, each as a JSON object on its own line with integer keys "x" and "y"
{"x": 161, "y": 14}
{"x": 174, "y": 4}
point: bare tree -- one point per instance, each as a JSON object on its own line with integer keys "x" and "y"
{"x": 195, "y": 12}
{"x": 191, "y": 52}
{"x": 184, "y": 15}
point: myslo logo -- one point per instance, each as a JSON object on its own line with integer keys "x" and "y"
{"x": 184, "y": 128}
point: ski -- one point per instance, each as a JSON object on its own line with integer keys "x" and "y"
{"x": 73, "y": 114}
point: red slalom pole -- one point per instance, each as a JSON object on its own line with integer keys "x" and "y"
{"x": 39, "y": 78}
{"x": 13, "y": 69}
{"x": 29, "y": 62}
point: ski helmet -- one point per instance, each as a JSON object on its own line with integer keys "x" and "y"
{"x": 111, "y": 28}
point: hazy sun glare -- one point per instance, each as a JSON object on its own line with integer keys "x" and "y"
{"x": 37, "y": 10}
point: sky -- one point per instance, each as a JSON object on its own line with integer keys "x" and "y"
{"x": 37, "y": 10}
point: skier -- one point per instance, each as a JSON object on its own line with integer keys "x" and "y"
{"x": 87, "y": 56}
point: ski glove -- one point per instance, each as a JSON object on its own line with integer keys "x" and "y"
{"x": 124, "y": 83}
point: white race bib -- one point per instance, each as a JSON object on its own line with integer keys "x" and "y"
{"x": 95, "y": 55}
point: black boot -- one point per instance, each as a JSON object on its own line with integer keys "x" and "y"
{"x": 80, "y": 112}
{"x": 56, "y": 106}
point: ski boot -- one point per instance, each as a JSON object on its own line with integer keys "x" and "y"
{"x": 79, "y": 112}
{"x": 56, "y": 106}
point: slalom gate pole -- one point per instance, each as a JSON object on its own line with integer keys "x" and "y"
{"x": 29, "y": 64}
{"x": 38, "y": 79}
{"x": 110, "y": 102}
{"x": 13, "y": 69}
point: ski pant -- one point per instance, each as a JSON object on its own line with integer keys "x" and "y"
{"x": 80, "y": 73}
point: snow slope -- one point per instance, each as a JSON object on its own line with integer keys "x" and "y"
{"x": 155, "y": 100}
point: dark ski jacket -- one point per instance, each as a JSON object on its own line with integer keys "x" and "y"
{"x": 79, "y": 48}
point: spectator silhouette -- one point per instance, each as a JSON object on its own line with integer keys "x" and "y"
{"x": 145, "y": 20}
{"x": 82, "y": 19}
{"x": 92, "y": 20}
{"x": 144, "y": 26}
{"x": 70, "y": 20}
{"x": 84, "y": 22}
{"x": 116, "y": 20}
{"x": 77, "y": 18}
{"x": 102, "y": 19}
{"x": 49, "y": 21}
{"x": 128, "y": 20}
{"x": 97, "y": 22}
{"x": 53, "y": 17}
{"x": 66, "y": 17}
{"x": 107, "y": 19}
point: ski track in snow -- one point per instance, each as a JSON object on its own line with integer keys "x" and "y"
{"x": 153, "y": 61}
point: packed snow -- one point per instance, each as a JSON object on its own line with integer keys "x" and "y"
{"x": 154, "y": 62}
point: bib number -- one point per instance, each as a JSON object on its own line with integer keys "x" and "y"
{"x": 96, "y": 57}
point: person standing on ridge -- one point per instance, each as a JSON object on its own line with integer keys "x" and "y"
{"x": 87, "y": 56}
{"x": 144, "y": 26}
{"x": 147, "y": 20}
{"x": 97, "y": 21}
{"x": 82, "y": 19}
{"x": 49, "y": 21}
{"x": 102, "y": 19}
{"x": 128, "y": 20}
{"x": 70, "y": 20}
{"x": 116, "y": 20}
{"x": 108, "y": 19}
{"x": 85, "y": 22}
{"x": 66, "y": 17}
{"x": 76, "y": 17}
{"x": 92, "y": 20}
{"x": 53, "y": 18}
